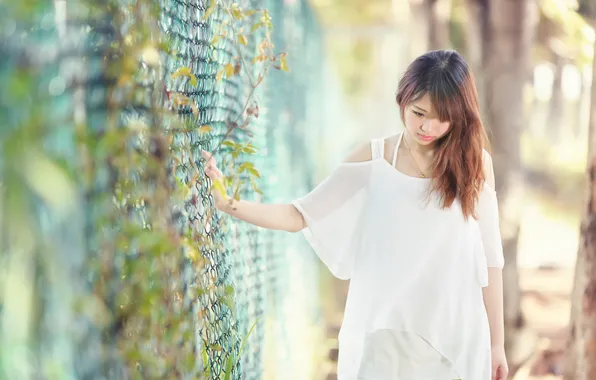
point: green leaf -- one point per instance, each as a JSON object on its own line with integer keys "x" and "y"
{"x": 256, "y": 189}
{"x": 250, "y": 12}
{"x": 254, "y": 172}
{"x": 211, "y": 9}
{"x": 219, "y": 75}
{"x": 229, "y": 367}
{"x": 49, "y": 181}
{"x": 249, "y": 149}
{"x": 205, "y": 358}
{"x": 228, "y": 143}
{"x": 229, "y": 290}
{"x": 245, "y": 340}
{"x": 205, "y": 129}
{"x": 201, "y": 292}
{"x": 215, "y": 347}
{"x": 256, "y": 26}
{"x": 229, "y": 70}
{"x": 237, "y": 13}
{"x": 283, "y": 63}
{"x": 245, "y": 166}
{"x": 185, "y": 72}
{"x": 242, "y": 39}
{"x": 216, "y": 39}
{"x": 219, "y": 187}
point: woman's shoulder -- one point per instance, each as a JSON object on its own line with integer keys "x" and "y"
{"x": 489, "y": 173}
{"x": 362, "y": 153}
{"x": 390, "y": 143}
{"x": 367, "y": 150}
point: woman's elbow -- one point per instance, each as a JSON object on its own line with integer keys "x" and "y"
{"x": 297, "y": 221}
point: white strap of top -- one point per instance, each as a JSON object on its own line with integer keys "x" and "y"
{"x": 377, "y": 148}
{"x": 394, "y": 161}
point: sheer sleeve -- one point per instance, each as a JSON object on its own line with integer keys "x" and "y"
{"x": 333, "y": 214}
{"x": 488, "y": 221}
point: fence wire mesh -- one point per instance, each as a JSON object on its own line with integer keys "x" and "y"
{"x": 113, "y": 263}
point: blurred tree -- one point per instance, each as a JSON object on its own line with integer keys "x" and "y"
{"x": 557, "y": 101}
{"x": 507, "y": 47}
{"x": 477, "y": 31}
{"x": 500, "y": 37}
{"x": 334, "y": 13}
{"x": 354, "y": 27}
{"x": 429, "y": 25}
{"x": 563, "y": 38}
{"x": 581, "y": 349}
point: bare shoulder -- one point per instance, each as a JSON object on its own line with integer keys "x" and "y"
{"x": 390, "y": 146}
{"x": 489, "y": 172}
{"x": 362, "y": 153}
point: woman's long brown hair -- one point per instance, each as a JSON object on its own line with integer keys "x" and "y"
{"x": 457, "y": 169}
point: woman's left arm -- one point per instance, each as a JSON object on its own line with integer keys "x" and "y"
{"x": 493, "y": 293}
{"x": 493, "y": 302}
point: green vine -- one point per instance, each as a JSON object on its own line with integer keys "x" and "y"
{"x": 234, "y": 30}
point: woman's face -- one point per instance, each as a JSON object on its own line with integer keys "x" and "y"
{"x": 422, "y": 122}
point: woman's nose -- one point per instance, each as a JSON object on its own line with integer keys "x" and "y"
{"x": 428, "y": 125}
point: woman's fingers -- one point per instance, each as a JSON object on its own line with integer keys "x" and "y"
{"x": 209, "y": 158}
{"x": 211, "y": 169}
{"x": 213, "y": 173}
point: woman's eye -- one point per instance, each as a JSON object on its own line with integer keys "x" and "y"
{"x": 418, "y": 113}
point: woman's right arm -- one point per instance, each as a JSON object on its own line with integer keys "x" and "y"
{"x": 284, "y": 217}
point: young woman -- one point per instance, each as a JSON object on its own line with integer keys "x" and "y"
{"x": 413, "y": 221}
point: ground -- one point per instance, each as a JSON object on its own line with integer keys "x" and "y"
{"x": 546, "y": 304}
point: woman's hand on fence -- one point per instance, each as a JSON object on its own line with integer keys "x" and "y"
{"x": 283, "y": 217}
{"x": 216, "y": 176}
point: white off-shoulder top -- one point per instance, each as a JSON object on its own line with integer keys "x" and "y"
{"x": 415, "y": 308}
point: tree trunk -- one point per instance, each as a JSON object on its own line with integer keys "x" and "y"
{"x": 581, "y": 354}
{"x": 430, "y": 25}
{"x": 592, "y": 125}
{"x": 477, "y": 29}
{"x": 557, "y": 105}
{"x": 573, "y": 353}
{"x": 506, "y": 56}
{"x": 588, "y": 242}
{"x": 578, "y": 108}
{"x": 439, "y": 17}
{"x": 499, "y": 35}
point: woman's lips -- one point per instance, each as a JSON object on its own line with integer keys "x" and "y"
{"x": 425, "y": 138}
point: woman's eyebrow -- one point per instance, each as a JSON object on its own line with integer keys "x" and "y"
{"x": 421, "y": 109}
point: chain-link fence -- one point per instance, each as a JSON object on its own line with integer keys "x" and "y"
{"x": 114, "y": 264}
